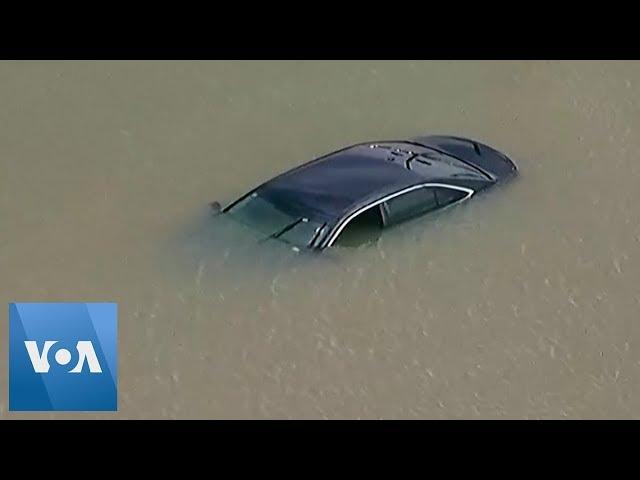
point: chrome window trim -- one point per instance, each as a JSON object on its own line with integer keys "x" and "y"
{"x": 343, "y": 223}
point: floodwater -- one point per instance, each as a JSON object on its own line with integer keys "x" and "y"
{"x": 522, "y": 303}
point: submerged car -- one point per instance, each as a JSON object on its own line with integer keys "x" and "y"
{"x": 368, "y": 187}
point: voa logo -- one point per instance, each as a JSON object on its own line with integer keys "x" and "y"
{"x": 40, "y": 360}
{"x": 63, "y": 356}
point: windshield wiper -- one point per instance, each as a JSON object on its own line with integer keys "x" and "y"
{"x": 283, "y": 230}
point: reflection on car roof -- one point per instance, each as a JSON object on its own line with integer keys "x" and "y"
{"x": 330, "y": 186}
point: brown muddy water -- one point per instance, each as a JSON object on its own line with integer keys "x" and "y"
{"x": 522, "y": 303}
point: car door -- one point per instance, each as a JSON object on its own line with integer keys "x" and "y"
{"x": 404, "y": 205}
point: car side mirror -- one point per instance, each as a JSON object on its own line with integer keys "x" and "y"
{"x": 216, "y": 208}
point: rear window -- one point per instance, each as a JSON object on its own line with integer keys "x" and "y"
{"x": 440, "y": 165}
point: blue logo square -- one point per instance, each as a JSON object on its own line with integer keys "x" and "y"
{"x": 63, "y": 357}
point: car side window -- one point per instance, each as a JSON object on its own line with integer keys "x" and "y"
{"x": 447, "y": 196}
{"x": 409, "y": 205}
{"x": 362, "y": 229}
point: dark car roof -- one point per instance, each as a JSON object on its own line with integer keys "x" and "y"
{"x": 332, "y": 185}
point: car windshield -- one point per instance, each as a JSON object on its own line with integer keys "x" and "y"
{"x": 259, "y": 214}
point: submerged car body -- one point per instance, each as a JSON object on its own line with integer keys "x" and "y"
{"x": 383, "y": 183}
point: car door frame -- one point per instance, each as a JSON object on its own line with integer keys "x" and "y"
{"x": 333, "y": 236}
